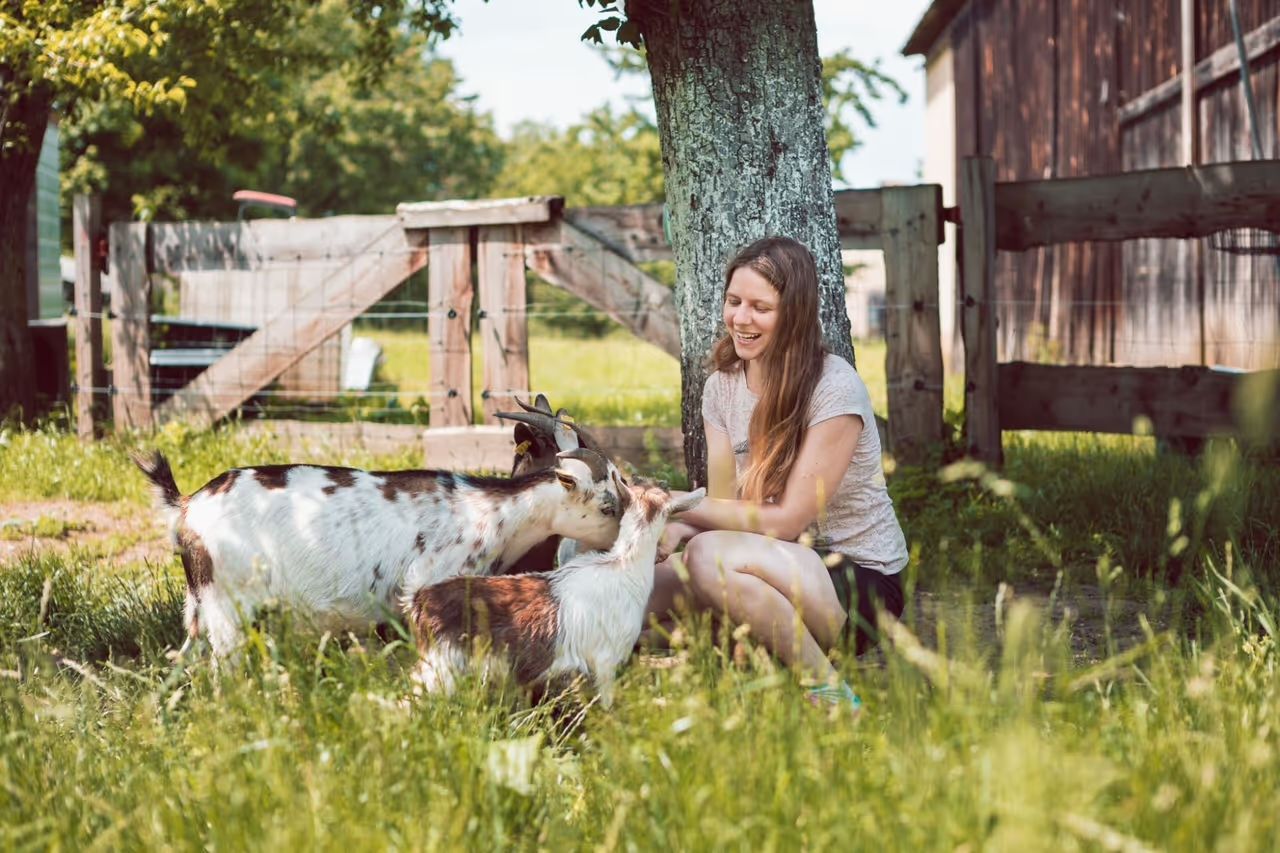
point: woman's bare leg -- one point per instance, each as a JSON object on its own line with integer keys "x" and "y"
{"x": 780, "y": 589}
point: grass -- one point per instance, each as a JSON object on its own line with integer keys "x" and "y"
{"x": 988, "y": 725}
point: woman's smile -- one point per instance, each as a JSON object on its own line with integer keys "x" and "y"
{"x": 750, "y": 312}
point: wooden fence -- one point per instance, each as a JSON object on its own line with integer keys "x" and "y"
{"x": 590, "y": 252}
{"x": 1178, "y": 402}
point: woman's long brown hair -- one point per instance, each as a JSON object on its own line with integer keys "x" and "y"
{"x": 792, "y": 365}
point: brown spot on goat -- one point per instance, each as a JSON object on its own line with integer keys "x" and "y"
{"x": 341, "y": 478}
{"x": 420, "y": 543}
{"x": 272, "y": 476}
{"x": 654, "y": 503}
{"x": 197, "y": 564}
{"x": 222, "y": 483}
{"x": 414, "y": 483}
{"x": 516, "y": 613}
{"x": 509, "y": 486}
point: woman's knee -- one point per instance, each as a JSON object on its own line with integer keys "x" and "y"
{"x": 704, "y": 560}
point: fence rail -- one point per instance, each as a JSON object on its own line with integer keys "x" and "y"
{"x": 1194, "y": 201}
{"x": 339, "y": 268}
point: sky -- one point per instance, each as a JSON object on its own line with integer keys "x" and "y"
{"x": 523, "y": 60}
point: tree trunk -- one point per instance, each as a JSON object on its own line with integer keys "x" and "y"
{"x": 21, "y": 134}
{"x": 737, "y": 86}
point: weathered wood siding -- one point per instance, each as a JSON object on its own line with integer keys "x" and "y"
{"x": 1039, "y": 84}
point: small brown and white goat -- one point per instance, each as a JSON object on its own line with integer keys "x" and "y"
{"x": 349, "y": 547}
{"x": 581, "y": 618}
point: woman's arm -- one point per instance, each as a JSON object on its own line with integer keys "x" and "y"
{"x": 720, "y": 483}
{"x": 824, "y": 457}
{"x": 722, "y": 474}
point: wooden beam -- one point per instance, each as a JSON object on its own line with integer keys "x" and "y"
{"x": 1189, "y": 124}
{"x": 91, "y": 374}
{"x": 338, "y": 298}
{"x": 313, "y": 440}
{"x": 490, "y": 448}
{"x": 633, "y": 231}
{"x": 130, "y": 327}
{"x": 572, "y": 259}
{"x": 462, "y": 214}
{"x": 858, "y": 218}
{"x": 913, "y": 328}
{"x": 1177, "y": 401}
{"x": 504, "y": 327}
{"x": 178, "y": 247}
{"x": 449, "y": 295}
{"x": 981, "y": 388}
{"x": 1222, "y": 62}
{"x": 1177, "y": 202}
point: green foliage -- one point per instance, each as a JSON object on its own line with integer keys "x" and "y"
{"x": 1050, "y": 688}
{"x": 849, "y": 89}
{"x": 607, "y": 158}
{"x": 315, "y": 741}
{"x": 849, "y": 85}
{"x": 317, "y": 128}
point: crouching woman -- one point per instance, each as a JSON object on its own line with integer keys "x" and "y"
{"x": 798, "y": 537}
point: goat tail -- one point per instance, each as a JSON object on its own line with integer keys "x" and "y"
{"x": 168, "y": 499}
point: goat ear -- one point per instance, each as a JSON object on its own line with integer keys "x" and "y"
{"x": 688, "y": 501}
{"x": 624, "y": 492}
{"x": 567, "y": 479}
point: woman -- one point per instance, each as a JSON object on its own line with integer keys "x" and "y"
{"x": 798, "y": 535}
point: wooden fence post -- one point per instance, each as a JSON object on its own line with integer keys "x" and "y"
{"x": 978, "y": 243}
{"x": 449, "y": 295}
{"x": 91, "y": 374}
{"x": 130, "y": 327}
{"x": 504, "y": 329}
{"x": 910, "y": 228}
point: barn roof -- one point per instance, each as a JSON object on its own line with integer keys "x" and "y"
{"x": 932, "y": 25}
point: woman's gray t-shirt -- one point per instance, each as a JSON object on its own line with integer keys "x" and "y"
{"x": 858, "y": 520}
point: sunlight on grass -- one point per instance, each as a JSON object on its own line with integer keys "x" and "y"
{"x": 617, "y": 380}
{"x": 1088, "y": 661}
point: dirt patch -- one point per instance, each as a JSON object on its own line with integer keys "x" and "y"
{"x": 1096, "y": 624}
{"x": 120, "y": 533}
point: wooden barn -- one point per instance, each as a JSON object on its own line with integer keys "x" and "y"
{"x": 1075, "y": 88}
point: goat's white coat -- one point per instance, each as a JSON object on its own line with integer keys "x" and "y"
{"x": 348, "y": 559}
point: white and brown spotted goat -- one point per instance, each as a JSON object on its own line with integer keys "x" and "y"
{"x": 581, "y": 618}
{"x": 349, "y": 547}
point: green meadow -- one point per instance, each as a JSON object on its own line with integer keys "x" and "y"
{"x": 1088, "y": 662}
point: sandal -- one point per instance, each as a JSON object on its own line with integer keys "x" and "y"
{"x": 835, "y": 694}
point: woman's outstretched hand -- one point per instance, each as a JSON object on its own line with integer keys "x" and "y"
{"x": 675, "y": 534}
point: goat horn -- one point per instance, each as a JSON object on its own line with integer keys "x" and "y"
{"x": 598, "y": 465}
{"x": 564, "y": 434}
{"x": 538, "y": 420}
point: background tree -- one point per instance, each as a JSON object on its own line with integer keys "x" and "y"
{"x": 214, "y": 67}
{"x": 607, "y": 158}
{"x": 336, "y": 141}
{"x": 737, "y": 87}
{"x": 849, "y": 86}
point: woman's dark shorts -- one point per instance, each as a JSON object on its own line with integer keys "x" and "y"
{"x": 861, "y": 590}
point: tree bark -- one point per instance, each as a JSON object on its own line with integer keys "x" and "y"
{"x": 21, "y": 135}
{"x": 737, "y": 87}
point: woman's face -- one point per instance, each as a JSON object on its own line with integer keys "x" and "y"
{"x": 750, "y": 312}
